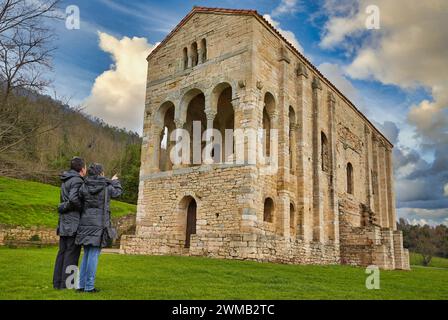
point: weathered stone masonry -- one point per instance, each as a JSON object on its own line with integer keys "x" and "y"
{"x": 332, "y": 199}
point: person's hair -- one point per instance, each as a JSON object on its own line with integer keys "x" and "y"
{"x": 95, "y": 169}
{"x": 77, "y": 164}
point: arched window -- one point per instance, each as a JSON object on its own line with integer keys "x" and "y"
{"x": 292, "y": 146}
{"x": 266, "y": 133}
{"x": 196, "y": 114}
{"x": 324, "y": 152}
{"x": 268, "y": 210}
{"x": 194, "y": 54}
{"x": 165, "y": 117}
{"x": 203, "y": 50}
{"x": 224, "y": 119}
{"x": 349, "y": 178}
{"x": 185, "y": 58}
{"x": 269, "y": 108}
{"x": 292, "y": 218}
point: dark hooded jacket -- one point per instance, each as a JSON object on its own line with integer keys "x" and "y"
{"x": 70, "y": 207}
{"x": 95, "y": 217}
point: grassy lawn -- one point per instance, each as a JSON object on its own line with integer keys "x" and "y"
{"x": 27, "y": 203}
{"x": 27, "y": 274}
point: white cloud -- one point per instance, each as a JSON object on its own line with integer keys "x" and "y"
{"x": 289, "y": 35}
{"x": 409, "y": 50}
{"x": 445, "y": 190}
{"x": 417, "y": 216}
{"x": 286, "y": 7}
{"x": 337, "y": 29}
{"x": 118, "y": 94}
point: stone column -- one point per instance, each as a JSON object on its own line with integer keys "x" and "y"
{"x": 367, "y": 165}
{"x": 146, "y": 151}
{"x": 303, "y": 200}
{"x": 333, "y": 217}
{"x": 200, "y": 55}
{"x": 383, "y": 185}
{"x": 154, "y": 148}
{"x": 273, "y": 161}
{"x": 190, "y": 58}
{"x": 283, "y": 214}
{"x": 210, "y": 115}
{"x": 293, "y": 147}
{"x": 179, "y": 125}
{"x": 390, "y": 189}
{"x": 283, "y": 112}
{"x": 376, "y": 184}
{"x": 246, "y": 118}
{"x": 318, "y": 230}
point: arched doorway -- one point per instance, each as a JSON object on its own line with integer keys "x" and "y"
{"x": 268, "y": 210}
{"x": 191, "y": 222}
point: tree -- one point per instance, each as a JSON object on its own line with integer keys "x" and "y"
{"x": 25, "y": 44}
{"x": 425, "y": 240}
{"x": 25, "y": 57}
{"x": 128, "y": 168}
{"x": 426, "y": 244}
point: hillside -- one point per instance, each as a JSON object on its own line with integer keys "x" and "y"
{"x": 26, "y": 203}
{"x": 40, "y": 135}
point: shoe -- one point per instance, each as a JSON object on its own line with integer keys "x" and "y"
{"x": 80, "y": 290}
{"x": 94, "y": 290}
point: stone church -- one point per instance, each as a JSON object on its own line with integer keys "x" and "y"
{"x": 332, "y": 198}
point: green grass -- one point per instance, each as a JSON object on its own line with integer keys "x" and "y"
{"x": 26, "y": 203}
{"x": 27, "y": 274}
{"x": 436, "y": 262}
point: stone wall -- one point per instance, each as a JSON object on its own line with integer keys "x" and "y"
{"x": 27, "y": 236}
{"x": 30, "y": 236}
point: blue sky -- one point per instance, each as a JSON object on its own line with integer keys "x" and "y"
{"x": 393, "y": 74}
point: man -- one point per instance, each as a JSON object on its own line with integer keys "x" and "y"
{"x": 69, "y": 214}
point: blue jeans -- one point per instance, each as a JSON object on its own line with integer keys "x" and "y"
{"x": 88, "y": 267}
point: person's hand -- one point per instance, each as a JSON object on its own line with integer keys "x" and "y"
{"x": 115, "y": 177}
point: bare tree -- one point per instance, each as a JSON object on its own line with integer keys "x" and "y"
{"x": 26, "y": 47}
{"x": 25, "y": 44}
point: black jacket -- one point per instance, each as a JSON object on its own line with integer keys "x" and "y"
{"x": 95, "y": 219}
{"x": 70, "y": 207}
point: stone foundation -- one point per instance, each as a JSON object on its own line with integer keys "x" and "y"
{"x": 373, "y": 246}
{"x": 242, "y": 246}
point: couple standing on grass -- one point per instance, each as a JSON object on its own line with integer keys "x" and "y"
{"x": 84, "y": 220}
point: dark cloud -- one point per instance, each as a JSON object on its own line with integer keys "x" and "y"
{"x": 419, "y": 185}
{"x": 390, "y": 130}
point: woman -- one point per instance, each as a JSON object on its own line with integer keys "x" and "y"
{"x": 95, "y": 229}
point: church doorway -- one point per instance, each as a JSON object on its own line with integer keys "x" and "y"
{"x": 191, "y": 222}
